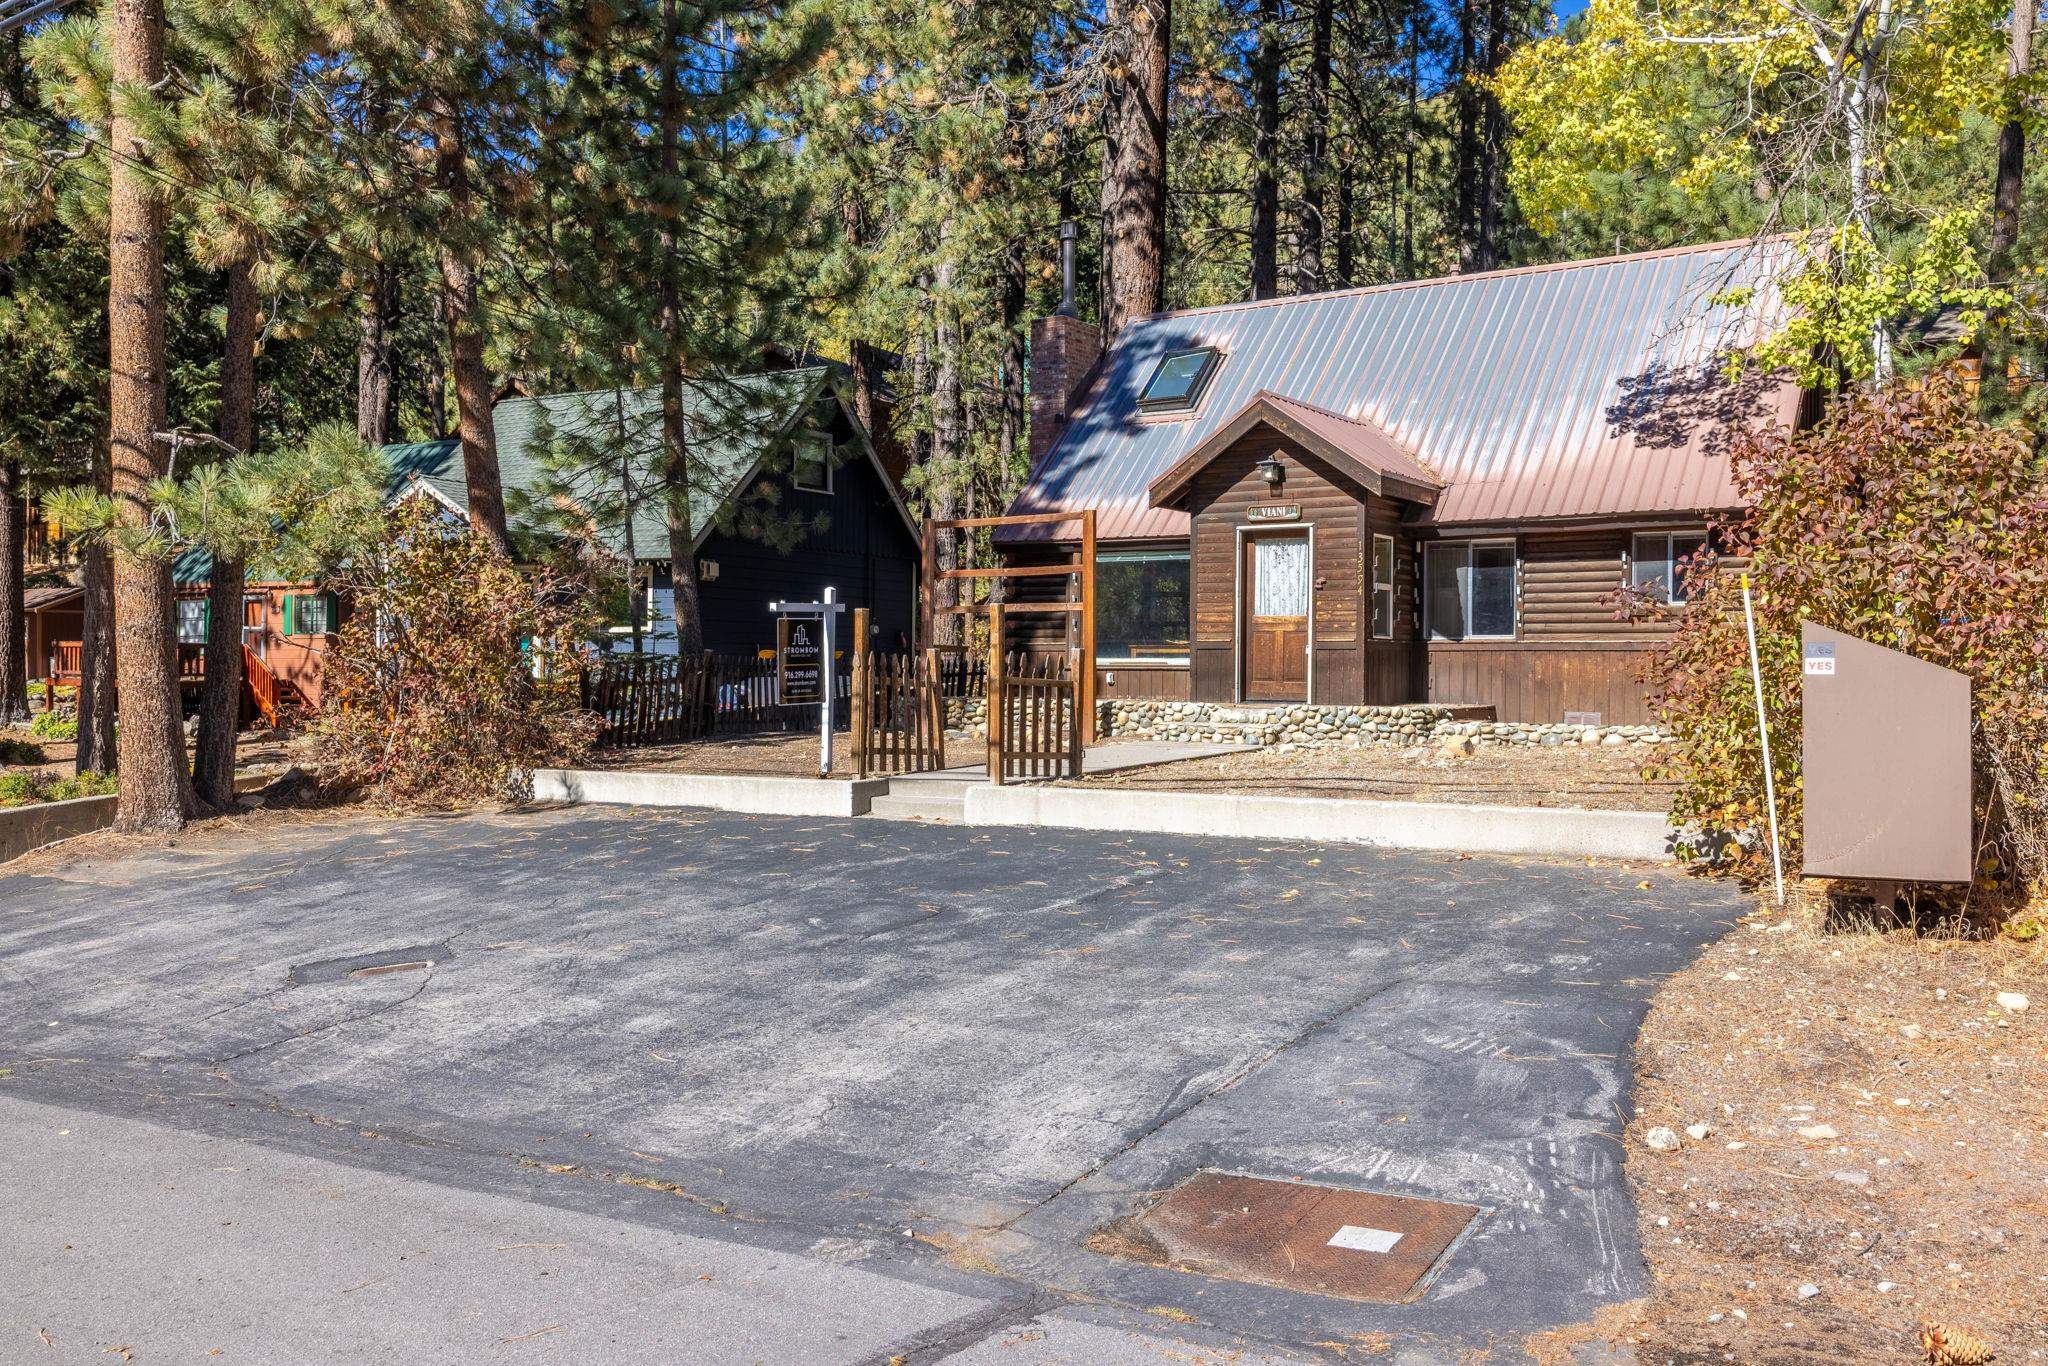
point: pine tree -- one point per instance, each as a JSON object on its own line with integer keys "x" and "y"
{"x": 663, "y": 184}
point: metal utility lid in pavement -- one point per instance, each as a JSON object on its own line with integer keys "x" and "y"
{"x": 1355, "y": 1245}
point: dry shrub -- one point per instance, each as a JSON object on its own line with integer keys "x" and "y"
{"x": 456, "y": 672}
{"x": 1902, "y": 518}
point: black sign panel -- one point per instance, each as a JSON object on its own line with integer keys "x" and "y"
{"x": 800, "y": 658}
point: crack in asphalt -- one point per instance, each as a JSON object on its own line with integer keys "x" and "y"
{"x": 1174, "y": 1110}
{"x": 957, "y": 1335}
{"x": 372, "y": 1014}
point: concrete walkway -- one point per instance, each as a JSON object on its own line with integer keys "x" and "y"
{"x": 942, "y": 795}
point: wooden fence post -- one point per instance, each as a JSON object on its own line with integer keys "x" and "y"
{"x": 993, "y": 708}
{"x": 858, "y": 704}
{"x": 935, "y": 703}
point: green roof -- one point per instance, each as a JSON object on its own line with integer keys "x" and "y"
{"x": 734, "y": 425}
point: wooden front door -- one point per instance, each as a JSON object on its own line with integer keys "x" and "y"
{"x": 1275, "y": 617}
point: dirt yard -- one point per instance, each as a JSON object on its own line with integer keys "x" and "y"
{"x": 792, "y": 755}
{"x": 1875, "y": 1151}
{"x": 1500, "y": 775}
{"x": 255, "y": 749}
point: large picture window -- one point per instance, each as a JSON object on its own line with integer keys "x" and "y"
{"x": 1141, "y": 607}
{"x": 1657, "y": 564}
{"x": 1471, "y": 590}
{"x": 1383, "y": 588}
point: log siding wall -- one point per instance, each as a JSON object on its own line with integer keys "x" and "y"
{"x": 1569, "y": 654}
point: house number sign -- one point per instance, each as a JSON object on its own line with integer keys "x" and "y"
{"x": 1273, "y": 512}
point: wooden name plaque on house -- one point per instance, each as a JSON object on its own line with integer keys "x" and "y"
{"x": 1273, "y": 512}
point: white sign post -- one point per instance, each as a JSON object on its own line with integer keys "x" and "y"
{"x": 827, "y": 613}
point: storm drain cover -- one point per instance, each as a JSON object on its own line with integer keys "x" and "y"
{"x": 1355, "y": 1245}
{"x": 414, "y": 958}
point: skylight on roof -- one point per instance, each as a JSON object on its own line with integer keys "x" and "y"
{"x": 1177, "y": 384}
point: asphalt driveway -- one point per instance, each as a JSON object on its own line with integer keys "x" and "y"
{"x": 941, "y": 1055}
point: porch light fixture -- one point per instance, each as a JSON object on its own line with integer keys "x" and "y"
{"x": 1272, "y": 471}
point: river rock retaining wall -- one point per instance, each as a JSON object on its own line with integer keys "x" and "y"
{"x": 1417, "y": 723}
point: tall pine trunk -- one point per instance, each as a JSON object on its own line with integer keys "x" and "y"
{"x": 156, "y": 785}
{"x": 473, "y": 394}
{"x": 375, "y": 391}
{"x": 682, "y": 546}
{"x": 220, "y": 701}
{"x": 949, "y": 435}
{"x": 1347, "y": 227}
{"x": 13, "y": 592}
{"x": 1134, "y": 166}
{"x": 1265, "y": 262}
{"x": 96, "y": 752}
{"x": 1492, "y": 147}
{"x": 2012, "y": 146}
{"x": 1315, "y": 153}
{"x": 1469, "y": 20}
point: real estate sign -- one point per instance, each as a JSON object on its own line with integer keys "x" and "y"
{"x": 800, "y": 658}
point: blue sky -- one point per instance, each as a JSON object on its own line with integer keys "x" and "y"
{"x": 1565, "y": 9}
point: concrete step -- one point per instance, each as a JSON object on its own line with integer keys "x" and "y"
{"x": 928, "y": 801}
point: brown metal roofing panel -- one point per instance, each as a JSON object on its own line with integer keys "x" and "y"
{"x": 1366, "y": 442}
{"x": 1577, "y": 390}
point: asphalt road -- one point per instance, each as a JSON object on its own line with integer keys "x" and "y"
{"x": 687, "y": 1086}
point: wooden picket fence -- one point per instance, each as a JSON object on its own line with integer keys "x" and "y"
{"x": 899, "y": 712}
{"x": 1034, "y": 710}
{"x": 646, "y": 700}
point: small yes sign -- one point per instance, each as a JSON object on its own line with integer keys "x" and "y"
{"x": 1820, "y": 657}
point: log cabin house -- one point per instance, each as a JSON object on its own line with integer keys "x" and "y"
{"x": 786, "y": 448}
{"x": 1417, "y": 492}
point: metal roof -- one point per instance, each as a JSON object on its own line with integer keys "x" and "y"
{"x": 1577, "y": 390}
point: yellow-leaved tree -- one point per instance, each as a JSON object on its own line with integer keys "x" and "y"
{"x": 1844, "y": 116}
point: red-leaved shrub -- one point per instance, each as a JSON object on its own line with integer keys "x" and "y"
{"x": 1902, "y": 518}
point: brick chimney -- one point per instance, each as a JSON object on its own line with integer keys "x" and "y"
{"x": 1063, "y": 354}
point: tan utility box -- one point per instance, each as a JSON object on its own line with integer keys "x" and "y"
{"x": 1885, "y": 751}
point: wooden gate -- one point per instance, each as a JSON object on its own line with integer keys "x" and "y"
{"x": 1034, "y": 710}
{"x": 899, "y": 709}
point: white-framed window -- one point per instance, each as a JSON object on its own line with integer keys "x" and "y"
{"x": 192, "y": 621}
{"x": 1141, "y": 607}
{"x": 1382, "y": 587}
{"x": 1469, "y": 590}
{"x": 810, "y": 466}
{"x": 1657, "y": 563}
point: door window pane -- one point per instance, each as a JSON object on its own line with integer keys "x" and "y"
{"x": 1492, "y": 611}
{"x": 1280, "y": 577}
{"x": 1141, "y": 606}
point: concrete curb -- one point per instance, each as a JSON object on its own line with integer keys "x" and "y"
{"x": 1556, "y": 832}
{"x": 25, "y": 829}
{"x": 757, "y": 794}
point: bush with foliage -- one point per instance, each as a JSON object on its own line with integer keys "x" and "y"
{"x": 456, "y": 671}
{"x": 1902, "y": 518}
{"x": 51, "y": 726}
{"x": 13, "y": 751}
{"x": 22, "y": 789}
